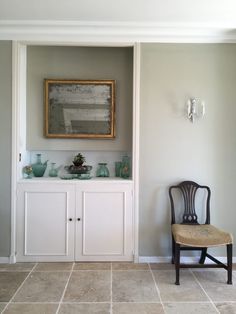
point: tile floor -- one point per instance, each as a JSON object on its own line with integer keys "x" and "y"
{"x": 114, "y": 288}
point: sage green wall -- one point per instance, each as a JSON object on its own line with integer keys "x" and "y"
{"x": 173, "y": 149}
{"x": 5, "y": 144}
{"x": 79, "y": 63}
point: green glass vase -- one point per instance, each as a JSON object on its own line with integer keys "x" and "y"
{"x": 125, "y": 167}
{"x": 39, "y": 167}
{"x": 102, "y": 170}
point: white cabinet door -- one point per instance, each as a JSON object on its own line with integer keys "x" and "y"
{"x": 45, "y": 222}
{"x": 104, "y": 226}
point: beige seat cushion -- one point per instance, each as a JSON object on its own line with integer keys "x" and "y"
{"x": 200, "y": 235}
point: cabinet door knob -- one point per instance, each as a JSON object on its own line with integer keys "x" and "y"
{"x": 70, "y": 219}
{"x": 78, "y": 219}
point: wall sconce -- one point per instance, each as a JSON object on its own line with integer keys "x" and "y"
{"x": 196, "y": 109}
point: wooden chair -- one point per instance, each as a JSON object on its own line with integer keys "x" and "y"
{"x": 190, "y": 235}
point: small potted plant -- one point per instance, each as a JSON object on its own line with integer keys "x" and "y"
{"x": 78, "y": 160}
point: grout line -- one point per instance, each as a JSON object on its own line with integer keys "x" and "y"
{"x": 15, "y": 271}
{"x": 78, "y": 270}
{"x": 19, "y": 287}
{"x": 213, "y": 304}
{"x": 64, "y": 291}
{"x": 125, "y": 302}
{"x": 188, "y": 302}
{"x": 69, "y": 302}
{"x": 52, "y": 271}
{"x": 132, "y": 269}
{"x": 38, "y": 302}
{"x": 158, "y": 291}
{"x": 111, "y": 304}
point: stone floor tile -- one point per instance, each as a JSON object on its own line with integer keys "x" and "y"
{"x": 2, "y": 305}
{"x": 24, "y": 308}
{"x": 17, "y": 267}
{"x": 189, "y": 308}
{"x": 133, "y": 286}
{"x": 130, "y": 266}
{"x": 88, "y": 308}
{"x": 89, "y": 286}
{"x": 137, "y": 308}
{"x": 54, "y": 267}
{"x": 42, "y": 287}
{"x": 160, "y": 266}
{"x": 226, "y": 307}
{"x": 214, "y": 283}
{"x": 9, "y": 283}
{"x": 92, "y": 266}
{"x": 188, "y": 290}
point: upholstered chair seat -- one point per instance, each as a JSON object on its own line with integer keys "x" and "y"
{"x": 200, "y": 235}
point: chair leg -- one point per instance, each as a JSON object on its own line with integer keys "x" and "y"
{"x": 173, "y": 251}
{"x": 203, "y": 256}
{"x": 177, "y": 262}
{"x": 229, "y": 263}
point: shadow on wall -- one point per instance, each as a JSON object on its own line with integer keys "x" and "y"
{"x": 155, "y": 226}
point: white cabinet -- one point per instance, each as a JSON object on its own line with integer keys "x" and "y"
{"x": 82, "y": 221}
{"x": 105, "y": 229}
{"x": 45, "y": 226}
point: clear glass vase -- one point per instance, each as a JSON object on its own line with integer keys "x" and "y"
{"x": 28, "y": 172}
{"x": 53, "y": 171}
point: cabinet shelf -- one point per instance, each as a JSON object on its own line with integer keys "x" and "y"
{"x": 74, "y": 181}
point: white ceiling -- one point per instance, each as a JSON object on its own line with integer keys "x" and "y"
{"x": 208, "y": 12}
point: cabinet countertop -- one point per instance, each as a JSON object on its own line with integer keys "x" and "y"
{"x": 115, "y": 180}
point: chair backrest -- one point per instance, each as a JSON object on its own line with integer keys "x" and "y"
{"x": 188, "y": 190}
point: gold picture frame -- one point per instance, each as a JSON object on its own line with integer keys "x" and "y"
{"x": 79, "y": 108}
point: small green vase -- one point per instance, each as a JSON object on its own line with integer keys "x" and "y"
{"x": 125, "y": 167}
{"x": 102, "y": 170}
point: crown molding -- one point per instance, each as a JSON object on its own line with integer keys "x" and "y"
{"x": 123, "y": 32}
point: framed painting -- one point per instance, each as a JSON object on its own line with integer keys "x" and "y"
{"x": 79, "y": 108}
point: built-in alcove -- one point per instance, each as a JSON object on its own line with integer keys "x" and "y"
{"x": 79, "y": 63}
{"x": 83, "y": 203}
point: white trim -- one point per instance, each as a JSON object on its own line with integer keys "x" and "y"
{"x": 18, "y": 96}
{"x": 184, "y": 259}
{"x": 15, "y": 80}
{"x": 4, "y": 260}
{"x": 100, "y": 32}
{"x": 136, "y": 128}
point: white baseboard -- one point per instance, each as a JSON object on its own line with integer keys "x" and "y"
{"x": 184, "y": 259}
{"x": 8, "y": 260}
{"x": 4, "y": 260}
{"x": 146, "y": 259}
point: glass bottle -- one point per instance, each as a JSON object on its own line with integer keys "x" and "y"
{"x": 117, "y": 168}
{"x": 125, "y": 167}
{"x": 39, "y": 167}
{"x": 53, "y": 171}
{"x": 102, "y": 170}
